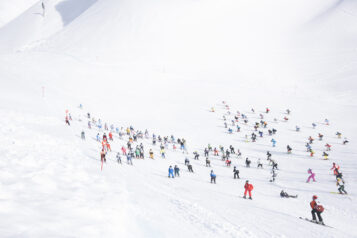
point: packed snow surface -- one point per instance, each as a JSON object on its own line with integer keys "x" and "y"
{"x": 162, "y": 65}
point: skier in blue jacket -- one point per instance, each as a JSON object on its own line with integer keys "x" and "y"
{"x": 273, "y": 141}
{"x": 171, "y": 172}
{"x": 213, "y": 177}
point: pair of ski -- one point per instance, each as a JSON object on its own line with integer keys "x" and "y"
{"x": 312, "y": 221}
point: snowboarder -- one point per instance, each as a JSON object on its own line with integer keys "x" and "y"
{"x": 248, "y": 189}
{"x": 316, "y": 209}
{"x": 213, "y": 177}
{"x": 312, "y": 176}
{"x": 171, "y": 172}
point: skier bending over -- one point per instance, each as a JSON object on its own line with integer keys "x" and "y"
{"x": 316, "y": 209}
{"x": 284, "y": 194}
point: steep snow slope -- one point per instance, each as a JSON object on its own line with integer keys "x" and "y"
{"x": 161, "y": 65}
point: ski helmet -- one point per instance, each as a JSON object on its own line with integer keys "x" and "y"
{"x": 247, "y": 181}
{"x": 314, "y": 197}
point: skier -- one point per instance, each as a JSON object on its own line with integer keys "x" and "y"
{"x": 268, "y": 155}
{"x": 43, "y": 14}
{"x": 286, "y": 195}
{"x": 196, "y": 155}
{"x": 118, "y": 158}
{"x": 213, "y": 177}
{"x": 247, "y": 162}
{"x": 289, "y": 149}
{"x": 339, "y": 134}
{"x": 274, "y": 142}
{"x": 110, "y": 136}
{"x": 259, "y": 164}
{"x": 129, "y": 159}
{"x": 98, "y": 137}
{"x": 316, "y": 209}
{"x": 208, "y": 162}
{"x": 102, "y": 156}
{"x": 177, "y": 171}
{"x": 171, "y": 172}
{"x": 335, "y": 168}
{"x": 189, "y": 167}
{"x": 151, "y": 154}
{"x": 297, "y": 128}
{"x": 162, "y": 152}
{"x": 83, "y": 135}
{"x": 345, "y": 141}
{"x": 313, "y": 125}
{"x": 89, "y": 125}
{"x": 325, "y": 155}
{"x": 273, "y": 175}
{"x": 235, "y": 172}
{"x": 328, "y": 147}
{"x": 341, "y": 185}
{"x": 187, "y": 161}
{"x": 67, "y": 121}
{"x": 248, "y": 189}
{"x": 312, "y": 176}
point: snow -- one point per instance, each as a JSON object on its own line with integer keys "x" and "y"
{"x": 161, "y": 65}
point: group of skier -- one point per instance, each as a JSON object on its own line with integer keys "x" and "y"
{"x": 131, "y": 151}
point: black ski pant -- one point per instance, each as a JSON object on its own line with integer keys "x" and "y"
{"x": 213, "y": 179}
{"x": 314, "y": 212}
{"x": 236, "y": 175}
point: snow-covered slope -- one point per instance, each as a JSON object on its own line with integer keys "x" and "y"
{"x": 11, "y": 9}
{"x": 161, "y": 65}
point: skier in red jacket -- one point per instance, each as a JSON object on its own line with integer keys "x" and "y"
{"x": 248, "y": 188}
{"x": 316, "y": 209}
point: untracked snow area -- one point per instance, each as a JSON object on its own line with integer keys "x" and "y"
{"x": 162, "y": 65}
